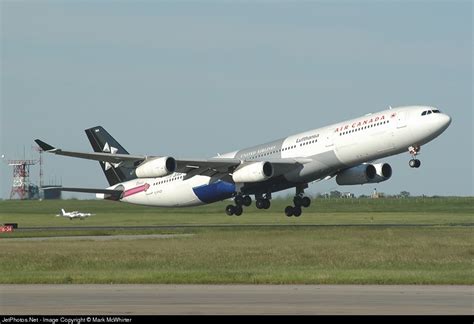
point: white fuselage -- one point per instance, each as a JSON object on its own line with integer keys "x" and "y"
{"x": 322, "y": 152}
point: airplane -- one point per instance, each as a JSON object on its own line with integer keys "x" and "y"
{"x": 346, "y": 151}
{"x": 74, "y": 214}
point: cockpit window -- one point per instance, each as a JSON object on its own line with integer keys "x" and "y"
{"x": 427, "y": 112}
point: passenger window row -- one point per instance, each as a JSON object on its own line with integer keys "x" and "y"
{"x": 307, "y": 143}
{"x": 363, "y": 128}
{"x": 272, "y": 152}
{"x": 169, "y": 180}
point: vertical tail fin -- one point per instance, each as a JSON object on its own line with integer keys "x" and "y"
{"x": 63, "y": 212}
{"x": 102, "y": 141}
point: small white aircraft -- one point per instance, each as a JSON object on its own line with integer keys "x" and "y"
{"x": 74, "y": 214}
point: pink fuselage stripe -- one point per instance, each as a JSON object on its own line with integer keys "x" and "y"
{"x": 136, "y": 190}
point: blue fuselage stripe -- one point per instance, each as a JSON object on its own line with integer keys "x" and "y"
{"x": 216, "y": 191}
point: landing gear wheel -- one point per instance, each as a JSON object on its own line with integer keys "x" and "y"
{"x": 230, "y": 210}
{"x": 414, "y": 163}
{"x": 239, "y": 200}
{"x": 289, "y": 211}
{"x": 298, "y": 201}
{"x": 305, "y": 202}
{"x": 262, "y": 203}
{"x": 247, "y": 201}
{"x": 266, "y": 204}
{"x": 297, "y": 211}
{"x": 238, "y": 210}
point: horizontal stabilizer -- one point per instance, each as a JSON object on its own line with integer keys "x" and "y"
{"x": 116, "y": 193}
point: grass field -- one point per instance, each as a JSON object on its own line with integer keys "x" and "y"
{"x": 321, "y": 211}
{"x": 439, "y": 254}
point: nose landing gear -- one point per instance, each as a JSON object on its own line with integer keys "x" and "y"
{"x": 414, "y": 151}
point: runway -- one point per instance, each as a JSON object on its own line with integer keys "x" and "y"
{"x": 235, "y": 299}
{"x": 198, "y": 226}
{"x": 97, "y": 237}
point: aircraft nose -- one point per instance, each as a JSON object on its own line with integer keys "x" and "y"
{"x": 446, "y": 120}
{"x": 443, "y": 121}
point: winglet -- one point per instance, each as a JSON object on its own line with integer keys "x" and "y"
{"x": 44, "y": 146}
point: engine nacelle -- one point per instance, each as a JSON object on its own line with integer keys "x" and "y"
{"x": 383, "y": 172}
{"x": 365, "y": 173}
{"x": 253, "y": 172}
{"x": 158, "y": 167}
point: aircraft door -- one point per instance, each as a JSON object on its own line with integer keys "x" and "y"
{"x": 329, "y": 140}
{"x": 401, "y": 119}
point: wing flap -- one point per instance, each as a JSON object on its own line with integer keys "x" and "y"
{"x": 226, "y": 166}
{"x": 193, "y": 167}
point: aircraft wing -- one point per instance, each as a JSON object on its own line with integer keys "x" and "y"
{"x": 105, "y": 157}
{"x": 224, "y": 166}
{"x": 209, "y": 167}
{"x": 192, "y": 167}
{"x": 183, "y": 166}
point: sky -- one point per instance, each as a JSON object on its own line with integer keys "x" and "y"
{"x": 191, "y": 79}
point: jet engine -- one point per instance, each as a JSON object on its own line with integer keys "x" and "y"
{"x": 383, "y": 172}
{"x": 253, "y": 172}
{"x": 365, "y": 173}
{"x": 156, "y": 167}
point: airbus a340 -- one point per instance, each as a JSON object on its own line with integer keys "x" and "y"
{"x": 346, "y": 151}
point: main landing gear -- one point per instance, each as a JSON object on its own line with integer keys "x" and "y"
{"x": 240, "y": 201}
{"x": 414, "y": 151}
{"x": 263, "y": 201}
{"x": 300, "y": 200}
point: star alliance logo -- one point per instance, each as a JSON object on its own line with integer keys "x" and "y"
{"x": 111, "y": 150}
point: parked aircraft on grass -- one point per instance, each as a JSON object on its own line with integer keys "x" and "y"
{"x": 345, "y": 150}
{"x": 74, "y": 214}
